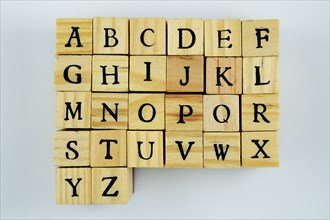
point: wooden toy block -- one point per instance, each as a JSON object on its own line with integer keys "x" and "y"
{"x": 145, "y": 149}
{"x": 222, "y": 149}
{"x": 185, "y": 36}
{"x": 184, "y": 149}
{"x": 147, "y": 73}
{"x": 110, "y": 110}
{"x": 260, "y": 149}
{"x": 224, "y": 75}
{"x": 260, "y": 112}
{"x": 73, "y": 186}
{"x": 221, "y": 112}
{"x": 222, "y": 37}
{"x": 260, "y": 38}
{"x": 108, "y": 148}
{"x": 112, "y": 185}
{"x": 185, "y": 74}
{"x": 110, "y": 35}
{"x": 261, "y": 75}
{"x": 110, "y": 73}
{"x": 147, "y": 36}
{"x": 73, "y": 110}
{"x": 74, "y": 36}
{"x": 71, "y": 148}
{"x": 184, "y": 112}
{"x": 146, "y": 111}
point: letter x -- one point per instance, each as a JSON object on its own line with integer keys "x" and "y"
{"x": 261, "y": 148}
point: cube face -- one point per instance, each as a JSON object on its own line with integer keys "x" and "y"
{"x": 260, "y": 149}
{"x": 74, "y": 36}
{"x": 260, "y": 37}
{"x": 146, "y": 111}
{"x": 147, "y": 73}
{"x": 260, "y": 112}
{"x": 261, "y": 75}
{"x": 145, "y": 149}
{"x": 222, "y": 112}
{"x": 147, "y": 36}
{"x": 110, "y": 73}
{"x": 185, "y": 37}
{"x": 185, "y": 74}
{"x": 222, "y": 150}
{"x": 108, "y": 148}
{"x": 71, "y": 148}
{"x": 112, "y": 185}
{"x": 224, "y": 75}
{"x": 110, "y": 35}
{"x": 73, "y": 109}
{"x": 73, "y": 186}
{"x": 184, "y": 149}
{"x": 222, "y": 37}
{"x": 110, "y": 110}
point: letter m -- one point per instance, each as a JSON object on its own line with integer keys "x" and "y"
{"x": 69, "y": 110}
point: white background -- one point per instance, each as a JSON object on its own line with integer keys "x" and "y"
{"x": 298, "y": 189}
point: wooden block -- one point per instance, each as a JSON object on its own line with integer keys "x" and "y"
{"x": 260, "y": 112}
{"x": 221, "y": 112}
{"x": 73, "y": 186}
{"x": 73, "y": 109}
{"x": 260, "y": 37}
{"x": 110, "y": 73}
{"x": 184, "y": 112}
{"x": 184, "y": 149}
{"x": 222, "y": 149}
{"x": 260, "y": 149}
{"x": 224, "y": 75}
{"x": 71, "y": 148}
{"x": 110, "y": 110}
{"x": 145, "y": 149}
{"x": 185, "y": 74}
{"x": 146, "y": 111}
{"x": 222, "y": 37}
{"x": 147, "y": 73}
{"x": 108, "y": 148}
{"x": 261, "y": 75}
{"x": 147, "y": 36}
{"x": 185, "y": 36}
{"x": 74, "y": 36}
{"x": 110, "y": 35}
{"x": 112, "y": 185}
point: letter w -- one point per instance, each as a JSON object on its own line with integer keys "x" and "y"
{"x": 219, "y": 151}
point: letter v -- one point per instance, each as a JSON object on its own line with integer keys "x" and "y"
{"x": 183, "y": 154}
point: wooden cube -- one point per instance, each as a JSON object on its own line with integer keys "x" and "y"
{"x": 222, "y": 149}
{"x": 184, "y": 112}
{"x": 110, "y": 73}
{"x": 260, "y": 149}
{"x": 73, "y": 186}
{"x": 224, "y": 75}
{"x": 73, "y": 110}
{"x": 147, "y": 73}
{"x": 222, "y": 37}
{"x": 110, "y": 35}
{"x": 71, "y": 148}
{"x": 261, "y": 75}
{"x": 184, "y": 149}
{"x": 185, "y": 74}
{"x": 185, "y": 36}
{"x": 147, "y": 36}
{"x": 145, "y": 149}
{"x": 260, "y": 37}
{"x": 112, "y": 185}
{"x": 260, "y": 112}
{"x": 146, "y": 111}
{"x": 108, "y": 148}
{"x": 74, "y": 36}
{"x": 221, "y": 112}
{"x": 110, "y": 110}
